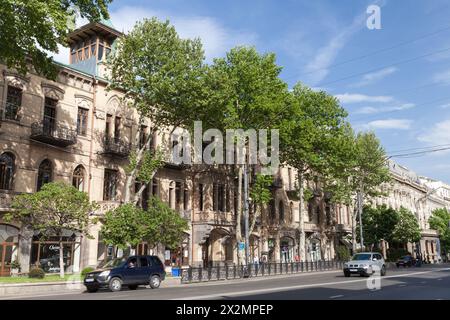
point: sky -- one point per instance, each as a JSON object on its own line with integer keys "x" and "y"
{"x": 394, "y": 80}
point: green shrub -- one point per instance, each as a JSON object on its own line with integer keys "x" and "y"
{"x": 343, "y": 253}
{"x": 393, "y": 254}
{"x": 36, "y": 273}
{"x": 86, "y": 271}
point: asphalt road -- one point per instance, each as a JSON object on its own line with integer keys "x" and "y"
{"x": 431, "y": 283}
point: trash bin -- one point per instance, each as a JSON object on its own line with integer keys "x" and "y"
{"x": 176, "y": 272}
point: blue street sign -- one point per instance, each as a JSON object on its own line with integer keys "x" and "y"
{"x": 241, "y": 245}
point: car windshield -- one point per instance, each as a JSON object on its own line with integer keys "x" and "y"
{"x": 362, "y": 256}
{"x": 113, "y": 263}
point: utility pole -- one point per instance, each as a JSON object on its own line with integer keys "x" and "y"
{"x": 360, "y": 209}
{"x": 246, "y": 214}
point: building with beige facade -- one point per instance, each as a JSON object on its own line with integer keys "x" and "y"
{"x": 421, "y": 196}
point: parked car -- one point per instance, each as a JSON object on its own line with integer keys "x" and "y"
{"x": 131, "y": 272}
{"x": 406, "y": 261}
{"x": 365, "y": 264}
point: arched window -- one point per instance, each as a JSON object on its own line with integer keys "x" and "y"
{"x": 6, "y": 171}
{"x": 281, "y": 211}
{"x": 272, "y": 212}
{"x": 78, "y": 178}
{"x": 44, "y": 173}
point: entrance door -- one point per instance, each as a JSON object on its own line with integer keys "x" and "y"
{"x": 50, "y": 116}
{"x": 7, "y": 251}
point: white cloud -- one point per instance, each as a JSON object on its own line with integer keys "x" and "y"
{"x": 357, "y": 98}
{"x": 399, "y": 124}
{"x": 438, "y": 134}
{"x": 442, "y": 78}
{"x": 445, "y": 106}
{"x": 216, "y": 38}
{"x": 375, "y": 76}
{"x": 373, "y": 110}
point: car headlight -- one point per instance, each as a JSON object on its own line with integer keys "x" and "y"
{"x": 104, "y": 273}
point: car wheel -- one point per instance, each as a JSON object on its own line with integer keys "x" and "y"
{"x": 133, "y": 287}
{"x": 155, "y": 282}
{"x": 115, "y": 284}
{"x": 91, "y": 289}
{"x": 383, "y": 271}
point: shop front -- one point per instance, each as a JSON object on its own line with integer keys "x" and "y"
{"x": 9, "y": 244}
{"x": 286, "y": 249}
{"x": 45, "y": 252}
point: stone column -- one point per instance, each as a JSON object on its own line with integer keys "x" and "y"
{"x": 25, "y": 242}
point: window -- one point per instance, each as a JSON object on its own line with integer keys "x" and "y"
{"x": 108, "y": 128}
{"x": 44, "y": 173}
{"x": 13, "y": 103}
{"x": 178, "y": 195}
{"x": 117, "y": 122}
{"x": 6, "y": 171}
{"x": 154, "y": 187}
{"x": 100, "y": 52}
{"x": 50, "y": 115}
{"x": 143, "y": 136}
{"x": 82, "y": 121}
{"x": 200, "y": 197}
{"x": 221, "y": 197}
{"x": 144, "y": 262}
{"x": 78, "y": 178}
{"x": 272, "y": 212}
{"x": 185, "y": 198}
{"x": 110, "y": 185}
{"x": 281, "y": 211}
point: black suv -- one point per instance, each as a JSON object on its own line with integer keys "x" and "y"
{"x": 132, "y": 272}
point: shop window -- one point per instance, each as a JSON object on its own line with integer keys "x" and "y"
{"x": 45, "y": 251}
{"x": 13, "y": 103}
{"x": 78, "y": 178}
{"x": 7, "y": 171}
{"x": 45, "y": 173}
{"x": 185, "y": 198}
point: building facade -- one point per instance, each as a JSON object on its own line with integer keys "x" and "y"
{"x": 421, "y": 196}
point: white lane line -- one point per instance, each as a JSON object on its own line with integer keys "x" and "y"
{"x": 337, "y": 296}
{"x": 439, "y": 279}
{"x": 269, "y": 290}
{"x": 402, "y": 285}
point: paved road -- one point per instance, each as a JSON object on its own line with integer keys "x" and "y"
{"x": 415, "y": 283}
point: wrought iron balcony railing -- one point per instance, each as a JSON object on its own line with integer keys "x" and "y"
{"x": 116, "y": 147}
{"x": 53, "y": 133}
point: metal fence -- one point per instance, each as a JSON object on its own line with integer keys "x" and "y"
{"x": 228, "y": 272}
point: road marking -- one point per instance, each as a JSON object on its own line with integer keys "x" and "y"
{"x": 288, "y": 288}
{"x": 402, "y": 285}
{"x": 423, "y": 282}
{"x": 439, "y": 279}
{"x": 337, "y": 296}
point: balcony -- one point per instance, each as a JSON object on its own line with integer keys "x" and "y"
{"x": 52, "y": 133}
{"x": 116, "y": 147}
{"x": 340, "y": 227}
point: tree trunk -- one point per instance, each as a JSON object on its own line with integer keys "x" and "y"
{"x": 239, "y": 216}
{"x": 301, "y": 226}
{"x": 354, "y": 230}
{"x": 61, "y": 258}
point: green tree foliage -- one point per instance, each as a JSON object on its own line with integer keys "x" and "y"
{"x": 440, "y": 221}
{"x": 128, "y": 225}
{"x": 407, "y": 228}
{"x": 32, "y": 28}
{"x": 162, "y": 78}
{"x": 379, "y": 223}
{"x": 313, "y": 134}
{"x": 260, "y": 196}
{"x": 56, "y": 208}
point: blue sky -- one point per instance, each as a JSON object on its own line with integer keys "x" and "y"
{"x": 400, "y": 89}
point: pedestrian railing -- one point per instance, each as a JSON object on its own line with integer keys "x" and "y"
{"x": 229, "y": 272}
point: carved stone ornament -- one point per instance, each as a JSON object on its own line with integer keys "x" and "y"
{"x": 52, "y": 91}
{"x": 83, "y": 101}
{"x": 16, "y": 81}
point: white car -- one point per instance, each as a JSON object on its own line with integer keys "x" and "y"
{"x": 365, "y": 264}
